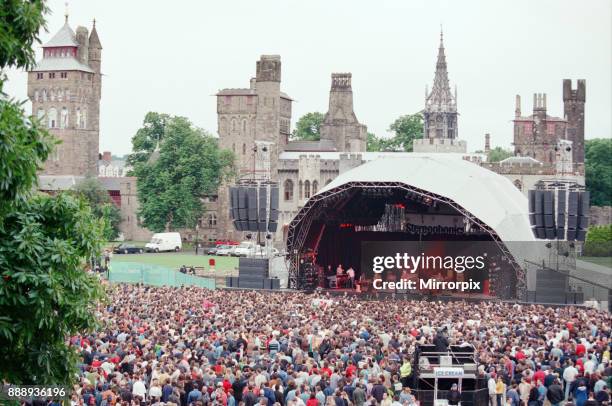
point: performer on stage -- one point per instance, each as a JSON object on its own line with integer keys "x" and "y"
{"x": 351, "y": 277}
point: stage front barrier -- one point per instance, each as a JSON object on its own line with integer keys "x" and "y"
{"x": 156, "y": 275}
{"x": 479, "y": 397}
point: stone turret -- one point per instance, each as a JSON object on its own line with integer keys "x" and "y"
{"x": 340, "y": 124}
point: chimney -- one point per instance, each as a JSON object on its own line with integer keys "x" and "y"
{"x": 487, "y": 148}
{"x": 106, "y": 156}
{"x": 517, "y": 108}
{"x": 253, "y": 83}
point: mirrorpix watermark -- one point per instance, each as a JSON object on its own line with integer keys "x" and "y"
{"x": 426, "y": 266}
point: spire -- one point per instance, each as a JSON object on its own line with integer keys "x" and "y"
{"x": 441, "y": 93}
{"x": 94, "y": 40}
{"x": 66, "y": 11}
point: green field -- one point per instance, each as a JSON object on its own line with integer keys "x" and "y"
{"x": 176, "y": 260}
{"x": 603, "y": 261}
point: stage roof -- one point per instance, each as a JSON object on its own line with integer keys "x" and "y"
{"x": 488, "y": 196}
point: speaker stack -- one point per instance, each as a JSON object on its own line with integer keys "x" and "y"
{"x": 252, "y": 274}
{"x": 254, "y": 207}
{"x": 559, "y": 211}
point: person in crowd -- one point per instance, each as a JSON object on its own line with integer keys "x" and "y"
{"x": 191, "y": 346}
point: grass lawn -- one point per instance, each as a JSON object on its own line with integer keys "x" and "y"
{"x": 603, "y": 261}
{"x": 175, "y": 260}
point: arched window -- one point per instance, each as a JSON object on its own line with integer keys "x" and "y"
{"x": 315, "y": 186}
{"x": 79, "y": 117}
{"x": 288, "y": 186}
{"x": 212, "y": 220}
{"x": 244, "y": 127}
{"x": 84, "y": 118}
{"x": 40, "y": 114}
{"x": 52, "y": 115}
{"x": 233, "y": 124}
{"x": 36, "y": 95}
{"x": 44, "y": 95}
{"x": 243, "y": 149}
{"x": 307, "y": 189}
{"x": 52, "y": 95}
{"x": 301, "y": 190}
{"x": 518, "y": 185}
{"x": 64, "y": 118}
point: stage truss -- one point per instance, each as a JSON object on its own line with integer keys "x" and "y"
{"x": 341, "y": 194}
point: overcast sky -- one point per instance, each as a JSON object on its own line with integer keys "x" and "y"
{"x": 172, "y": 56}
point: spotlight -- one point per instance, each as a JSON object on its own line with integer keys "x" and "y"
{"x": 268, "y": 236}
{"x": 249, "y": 236}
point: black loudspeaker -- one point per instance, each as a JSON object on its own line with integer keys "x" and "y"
{"x": 584, "y": 206}
{"x": 228, "y": 281}
{"x": 539, "y": 201}
{"x": 548, "y": 202}
{"x": 560, "y": 233}
{"x": 581, "y": 234}
{"x": 550, "y": 233}
{"x": 531, "y": 197}
{"x": 572, "y": 204}
{"x": 261, "y": 226}
{"x": 539, "y": 220}
{"x": 561, "y": 204}
{"x": 572, "y": 221}
{"x": 252, "y": 214}
{"x": 561, "y": 220}
{"x": 540, "y": 233}
{"x": 244, "y": 225}
{"x": 274, "y": 198}
{"x": 272, "y": 226}
{"x": 549, "y": 221}
{"x": 263, "y": 197}
{"x": 275, "y": 283}
{"x": 273, "y": 215}
{"x": 571, "y": 234}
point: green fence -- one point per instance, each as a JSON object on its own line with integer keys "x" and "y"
{"x": 133, "y": 272}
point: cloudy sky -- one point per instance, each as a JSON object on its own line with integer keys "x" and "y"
{"x": 172, "y": 56}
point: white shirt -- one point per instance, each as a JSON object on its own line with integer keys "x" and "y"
{"x": 569, "y": 375}
{"x": 139, "y": 389}
{"x": 155, "y": 391}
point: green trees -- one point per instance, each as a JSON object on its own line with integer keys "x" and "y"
{"x": 173, "y": 180}
{"x": 102, "y": 207}
{"x": 405, "y": 128}
{"x": 598, "y": 170}
{"x": 45, "y": 241}
{"x": 599, "y": 241}
{"x": 499, "y": 154}
{"x": 308, "y": 127}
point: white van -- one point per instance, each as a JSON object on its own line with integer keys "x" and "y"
{"x": 243, "y": 249}
{"x": 165, "y": 242}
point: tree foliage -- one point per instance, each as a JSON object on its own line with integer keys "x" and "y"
{"x": 147, "y": 137}
{"x": 598, "y": 170}
{"x": 598, "y": 241}
{"x": 406, "y": 129}
{"x": 190, "y": 165}
{"x": 20, "y": 23}
{"x": 101, "y": 205}
{"x": 498, "y": 154}
{"x": 45, "y": 241}
{"x": 308, "y": 127}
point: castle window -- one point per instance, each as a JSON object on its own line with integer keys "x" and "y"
{"x": 40, "y": 114}
{"x": 51, "y": 75}
{"x": 212, "y": 220}
{"x": 234, "y": 148}
{"x": 64, "y": 118}
{"x": 315, "y": 186}
{"x": 64, "y": 75}
{"x": 244, "y": 125}
{"x": 39, "y": 75}
{"x": 307, "y": 189}
{"x": 300, "y": 191}
{"x": 79, "y": 118}
{"x": 288, "y": 189}
{"x": 233, "y": 124}
{"x": 243, "y": 149}
{"x": 52, "y": 117}
{"x": 36, "y": 95}
{"x": 84, "y": 119}
{"x": 44, "y": 95}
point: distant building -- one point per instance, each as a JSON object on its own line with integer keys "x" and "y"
{"x": 440, "y": 116}
{"x": 111, "y": 167}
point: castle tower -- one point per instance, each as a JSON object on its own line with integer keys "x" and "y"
{"x": 573, "y": 110}
{"x": 487, "y": 145}
{"x": 440, "y": 114}
{"x": 256, "y": 116}
{"x": 340, "y": 124}
{"x": 64, "y": 88}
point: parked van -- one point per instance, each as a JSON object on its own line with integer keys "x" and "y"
{"x": 243, "y": 249}
{"x": 165, "y": 242}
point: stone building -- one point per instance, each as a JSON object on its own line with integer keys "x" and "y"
{"x": 340, "y": 126}
{"x": 247, "y": 115}
{"x": 65, "y": 89}
{"x": 537, "y": 135}
{"x": 440, "y": 116}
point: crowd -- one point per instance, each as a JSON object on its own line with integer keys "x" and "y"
{"x": 192, "y": 346}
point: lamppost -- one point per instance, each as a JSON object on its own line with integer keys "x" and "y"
{"x": 197, "y": 245}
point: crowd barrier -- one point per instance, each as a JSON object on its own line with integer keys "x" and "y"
{"x": 133, "y": 272}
